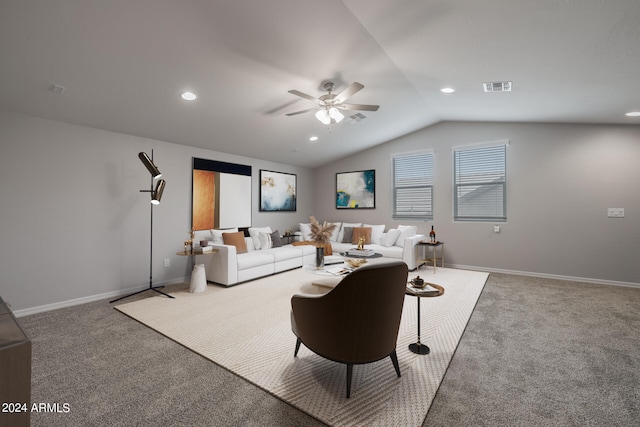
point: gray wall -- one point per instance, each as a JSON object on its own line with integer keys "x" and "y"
{"x": 74, "y": 225}
{"x": 561, "y": 180}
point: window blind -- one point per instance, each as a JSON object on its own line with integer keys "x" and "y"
{"x": 480, "y": 183}
{"x": 413, "y": 186}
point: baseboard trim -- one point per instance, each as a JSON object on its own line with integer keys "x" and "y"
{"x": 547, "y": 276}
{"x": 92, "y": 298}
{"x": 87, "y": 299}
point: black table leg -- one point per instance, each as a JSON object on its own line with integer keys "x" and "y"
{"x": 418, "y": 347}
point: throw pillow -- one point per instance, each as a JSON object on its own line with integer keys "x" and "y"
{"x": 217, "y": 235}
{"x": 265, "y": 240}
{"x": 347, "y": 234}
{"x": 336, "y": 232}
{"x": 305, "y": 230}
{"x": 275, "y": 239}
{"x": 254, "y": 232}
{"x": 341, "y": 237}
{"x": 376, "y": 232}
{"x": 236, "y": 239}
{"x": 359, "y": 232}
{"x": 389, "y": 238}
{"x": 405, "y": 231}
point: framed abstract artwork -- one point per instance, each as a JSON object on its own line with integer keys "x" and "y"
{"x": 356, "y": 190}
{"x": 277, "y": 191}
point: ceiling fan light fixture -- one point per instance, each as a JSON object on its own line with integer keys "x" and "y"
{"x": 335, "y": 114}
{"x": 323, "y": 116}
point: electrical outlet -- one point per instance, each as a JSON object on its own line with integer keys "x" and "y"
{"x": 496, "y": 228}
{"x": 615, "y": 212}
{"x": 167, "y": 262}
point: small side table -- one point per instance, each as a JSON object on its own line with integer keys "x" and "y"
{"x": 418, "y": 347}
{"x": 423, "y": 247}
{"x": 198, "y": 281}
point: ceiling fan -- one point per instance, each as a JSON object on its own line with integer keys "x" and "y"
{"x": 330, "y": 104}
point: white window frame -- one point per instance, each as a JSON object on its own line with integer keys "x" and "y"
{"x": 480, "y": 176}
{"x": 417, "y": 174}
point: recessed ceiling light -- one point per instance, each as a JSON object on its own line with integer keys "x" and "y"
{"x": 633, "y": 114}
{"x": 447, "y": 90}
{"x": 313, "y": 138}
{"x": 188, "y": 96}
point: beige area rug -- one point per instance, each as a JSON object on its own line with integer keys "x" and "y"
{"x": 246, "y": 329}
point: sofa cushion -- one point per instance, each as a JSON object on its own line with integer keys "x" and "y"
{"x": 276, "y": 242}
{"x": 216, "y": 235}
{"x": 347, "y": 235}
{"x": 265, "y": 240}
{"x": 376, "y": 233}
{"x": 254, "y": 232}
{"x": 236, "y": 239}
{"x": 336, "y": 231}
{"x": 344, "y": 226}
{"x": 305, "y": 230}
{"x": 255, "y": 259}
{"x": 359, "y": 232}
{"x": 405, "y": 231}
{"x": 285, "y": 252}
{"x": 389, "y": 238}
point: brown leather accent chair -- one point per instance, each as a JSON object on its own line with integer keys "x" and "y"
{"x": 356, "y": 322}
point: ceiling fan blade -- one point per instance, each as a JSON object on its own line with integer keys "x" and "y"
{"x": 300, "y": 112}
{"x": 353, "y": 88}
{"x": 303, "y": 95}
{"x": 362, "y": 107}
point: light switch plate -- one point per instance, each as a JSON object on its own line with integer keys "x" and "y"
{"x": 615, "y": 212}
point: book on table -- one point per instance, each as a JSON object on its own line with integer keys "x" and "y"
{"x": 361, "y": 252}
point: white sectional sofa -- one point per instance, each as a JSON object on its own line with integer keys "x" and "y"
{"x": 398, "y": 243}
{"x": 228, "y": 267}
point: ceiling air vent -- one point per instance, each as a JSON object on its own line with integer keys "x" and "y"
{"x": 355, "y": 118}
{"x": 497, "y": 87}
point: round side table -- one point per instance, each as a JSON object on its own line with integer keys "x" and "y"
{"x": 418, "y": 347}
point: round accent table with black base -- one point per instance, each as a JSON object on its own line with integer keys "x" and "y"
{"x": 418, "y": 347}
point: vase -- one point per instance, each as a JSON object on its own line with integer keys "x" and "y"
{"x": 319, "y": 257}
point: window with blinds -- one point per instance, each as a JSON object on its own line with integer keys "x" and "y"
{"x": 480, "y": 183}
{"x": 413, "y": 186}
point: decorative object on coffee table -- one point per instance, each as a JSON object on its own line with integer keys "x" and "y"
{"x": 320, "y": 234}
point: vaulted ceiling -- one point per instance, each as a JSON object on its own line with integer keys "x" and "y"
{"x": 123, "y": 65}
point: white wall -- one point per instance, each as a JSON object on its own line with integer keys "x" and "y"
{"x": 73, "y": 223}
{"x": 561, "y": 180}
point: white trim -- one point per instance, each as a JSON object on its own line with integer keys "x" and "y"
{"x": 91, "y": 298}
{"x": 547, "y": 276}
{"x": 84, "y": 300}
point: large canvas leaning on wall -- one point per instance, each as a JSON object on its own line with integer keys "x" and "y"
{"x": 356, "y": 190}
{"x": 221, "y": 195}
{"x": 277, "y": 191}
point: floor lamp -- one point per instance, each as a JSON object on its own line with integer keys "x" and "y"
{"x": 156, "y": 195}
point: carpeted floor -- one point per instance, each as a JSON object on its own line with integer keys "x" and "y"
{"x": 535, "y": 352}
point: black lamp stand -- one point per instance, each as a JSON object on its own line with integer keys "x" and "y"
{"x": 151, "y": 287}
